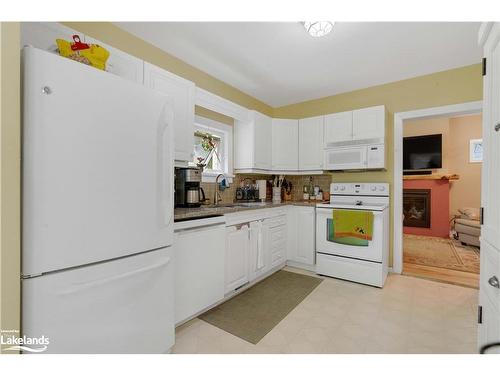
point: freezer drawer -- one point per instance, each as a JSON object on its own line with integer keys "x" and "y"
{"x": 121, "y": 306}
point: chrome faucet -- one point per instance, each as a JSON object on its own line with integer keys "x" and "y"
{"x": 217, "y": 197}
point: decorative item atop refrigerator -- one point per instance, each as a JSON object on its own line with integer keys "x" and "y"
{"x": 97, "y": 270}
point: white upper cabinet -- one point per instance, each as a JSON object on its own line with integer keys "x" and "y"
{"x": 120, "y": 63}
{"x": 338, "y": 128}
{"x": 182, "y": 94}
{"x": 43, "y": 35}
{"x": 253, "y": 142}
{"x": 368, "y": 123}
{"x": 285, "y": 143}
{"x": 263, "y": 143}
{"x": 311, "y": 144}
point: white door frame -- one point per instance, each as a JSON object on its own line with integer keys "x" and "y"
{"x": 399, "y": 117}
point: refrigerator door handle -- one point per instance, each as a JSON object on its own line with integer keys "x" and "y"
{"x": 165, "y": 164}
{"x": 95, "y": 283}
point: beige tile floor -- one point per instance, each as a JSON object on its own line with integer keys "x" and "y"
{"x": 409, "y": 315}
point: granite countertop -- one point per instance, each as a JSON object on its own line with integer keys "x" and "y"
{"x": 229, "y": 208}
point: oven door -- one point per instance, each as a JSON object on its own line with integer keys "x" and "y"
{"x": 373, "y": 252}
{"x": 352, "y": 157}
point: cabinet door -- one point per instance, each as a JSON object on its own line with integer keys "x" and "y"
{"x": 237, "y": 248}
{"x": 490, "y": 185}
{"x": 311, "y": 144}
{"x": 368, "y": 123}
{"x": 337, "y": 128}
{"x": 489, "y": 329}
{"x": 277, "y": 243}
{"x": 43, "y": 35}
{"x": 301, "y": 235}
{"x": 262, "y": 139}
{"x": 305, "y": 232}
{"x": 258, "y": 259}
{"x": 121, "y": 64}
{"x": 490, "y": 231}
{"x": 285, "y": 144}
{"x": 292, "y": 235}
{"x": 181, "y": 93}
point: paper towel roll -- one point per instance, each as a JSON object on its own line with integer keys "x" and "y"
{"x": 262, "y": 189}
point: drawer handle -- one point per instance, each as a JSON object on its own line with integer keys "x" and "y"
{"x": 493, "y": 281}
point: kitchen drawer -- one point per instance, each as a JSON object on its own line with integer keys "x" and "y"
{"x": 278, "y": 252}
{"x": 490, "y": 268}
{"x": 276, "y": 221}
{"x": 277, "y": 234}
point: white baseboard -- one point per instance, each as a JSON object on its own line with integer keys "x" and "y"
{"x": 307, "y": 267}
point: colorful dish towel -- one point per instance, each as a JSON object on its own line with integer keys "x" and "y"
{"x": 350, "y": 227}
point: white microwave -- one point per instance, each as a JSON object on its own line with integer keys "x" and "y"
{"x": 355, "y": 157}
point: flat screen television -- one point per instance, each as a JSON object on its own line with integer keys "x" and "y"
{"x": 422, "y": 152}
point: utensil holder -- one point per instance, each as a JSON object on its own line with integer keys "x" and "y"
{"x": 276, "y": 195}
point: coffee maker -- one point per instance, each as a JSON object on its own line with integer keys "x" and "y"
{"x": 187, "y": 187}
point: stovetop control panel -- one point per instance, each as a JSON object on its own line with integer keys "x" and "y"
{"x": 365, "y": 188}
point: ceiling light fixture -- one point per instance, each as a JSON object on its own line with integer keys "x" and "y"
{"x": 318, "y": 28}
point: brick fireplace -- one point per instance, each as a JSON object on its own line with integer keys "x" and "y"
{"x": 426, "y": 207}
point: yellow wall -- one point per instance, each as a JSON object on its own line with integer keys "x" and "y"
{"x": 10, "y": 170}
{"x": 216, "y": 116}
{"x": 119, "y": 38}
{"x": 443, "y": 88}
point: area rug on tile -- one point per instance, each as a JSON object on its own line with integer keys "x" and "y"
{"x": 440, "y": 252}
{"x": 255, "y": 312}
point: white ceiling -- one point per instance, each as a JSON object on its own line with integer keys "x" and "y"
{"x": 280, "y": 64}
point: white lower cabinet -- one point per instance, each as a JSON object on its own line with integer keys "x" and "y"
{"x": 199, "y": 269}
{"x": 301, "y": 235}
{"x": 255, "y": 245}
{"x": 259, "y": 256}
{"x": 237, "y": 254}
{"x": 276, "y": 239}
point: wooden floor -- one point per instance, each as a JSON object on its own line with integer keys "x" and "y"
{"x": 467, "y": 279}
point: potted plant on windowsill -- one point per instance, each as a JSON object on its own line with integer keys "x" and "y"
{"x": 208, "y": 145}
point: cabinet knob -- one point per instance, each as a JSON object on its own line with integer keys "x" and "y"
{"x": 493, "y": 281}
{"x": 497, "y": 127}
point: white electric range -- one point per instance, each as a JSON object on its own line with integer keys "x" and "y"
{"x": 365, "y": 263}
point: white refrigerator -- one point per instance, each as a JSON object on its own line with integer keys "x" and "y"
{"x": 97, "y": 266}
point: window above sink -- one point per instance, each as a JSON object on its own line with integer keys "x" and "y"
{"x": 219, "y": 160}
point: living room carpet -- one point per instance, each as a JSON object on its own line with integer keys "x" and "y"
{"x": 440, "y": 252}
{"x": 255, "y": 312}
